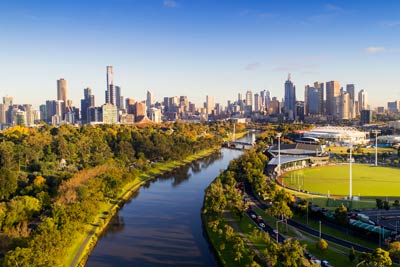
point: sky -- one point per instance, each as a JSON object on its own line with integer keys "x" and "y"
{"x": 197, "y": 48}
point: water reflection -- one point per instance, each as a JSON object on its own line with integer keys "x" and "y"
{"x": 162, "y": 225}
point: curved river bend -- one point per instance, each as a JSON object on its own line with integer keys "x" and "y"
{"x": 161, "y": 224}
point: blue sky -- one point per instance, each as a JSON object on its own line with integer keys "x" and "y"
{"x": 194, "y": 48}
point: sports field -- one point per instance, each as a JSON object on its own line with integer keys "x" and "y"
{"x": 334, "y": 180}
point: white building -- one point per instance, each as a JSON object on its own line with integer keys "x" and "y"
{"x": 344, "y": 135}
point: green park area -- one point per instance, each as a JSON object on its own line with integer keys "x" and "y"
{"x": 368, "y": 181}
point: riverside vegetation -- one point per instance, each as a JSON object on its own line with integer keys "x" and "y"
{"x": 54, "y": 181}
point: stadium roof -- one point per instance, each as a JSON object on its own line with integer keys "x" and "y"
{"x": 287, "y": 159}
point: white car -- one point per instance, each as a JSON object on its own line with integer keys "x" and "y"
{"x": 253, "y": 216}
{"x": 262, "y": 225}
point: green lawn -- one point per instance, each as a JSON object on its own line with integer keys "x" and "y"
{"x": 367, "y": 180}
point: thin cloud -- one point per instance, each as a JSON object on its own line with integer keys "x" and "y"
{"x": 374, "y": 49}
{"x": 252, "y": 66}
{"x": 170, "y": 3}
{"x": 391, "y": 24}
{"x": 332, "y": 7}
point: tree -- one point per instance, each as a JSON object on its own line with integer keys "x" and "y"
{"x": 352, "y": 254}
{"x": 394, "y": 250}
{"x": 379, "y": 203}
{"x": 290, "y": 253}
{"x": 396, "y": 204}
{"x": 341, "y": 215}
{"x": 386, "y": 205}
{"x": 8, "y": 183}
{"x": 377, "y": 258}
{"x": 322, "y": 245}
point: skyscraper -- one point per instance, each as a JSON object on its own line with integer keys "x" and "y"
{"x": 62, "y": 90}
{"x": 320, "y": 87}
{"x": 149, "y": 100}
{"x": 332, "y": 92}
{"x": 8, "y": 100}
{"x": 86, "y": 103}
{"x": 257, "y": 102}
{"x": 344, "y": 106}
{"x": 350, "y": 88}
{"x": 362, "y": 100}
{"x": 290, "y": 99}
{"x": 110, "y": 92}
{"x": 119, "y": 99}
{"x": 209, "y": 104}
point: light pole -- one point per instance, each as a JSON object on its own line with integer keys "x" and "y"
{"x": 279, "y": 152}
{"x": 277, "y": 230}
{"x": 319, "y": 229}
{"x": 376, "y": 146}
{"x": 351, "y": 173}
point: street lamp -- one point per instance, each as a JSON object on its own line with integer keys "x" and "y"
{"x": 277, "y": 230}
{"x": 376, "y": 146}
{"x": 279, "y": 152}
{"x": 351, "y": 173}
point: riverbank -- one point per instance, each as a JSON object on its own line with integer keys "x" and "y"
{"x": 86, "y": 241}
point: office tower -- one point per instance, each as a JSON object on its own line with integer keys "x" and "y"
{"x": 312, "y": 101}
{"x": 320, "y": 87}
{"x": 3, "y": 112}
{"x": 8, "y": 100}
{"x": 249, "y": 100}
{"x": 155, "y": 115}
{"x": 344, "y": 106}
{"x": 366, "y": 116}
{"x": 110, "y": 113}
{"x": 62, "y": 90}
{"x": 274, "y": 107}
{"x": 110, "y": 92}
{"x": 95, "y": 114}
{"x": 119, "y": 99}
{"x": 257, "y": 102}
{"x": 393, "y": 107}
{"x": 290, "y": 99}
{"x": 149, "y": 100}
{"x": 129, "y": 105}
{"x": 51, "y": 110}
{"x": 240, "y": 97}
{"x": 362, "y": 100}
{"x": 29, "y": 115}
{"x": 350, "y": 88}
{"x": 332, "y": 92}
{"x": 267, "y": 100}
{"x": 86, "y": 103}
{"x": 140, "y": 110}
{"x": 263, "y": 95}
{"x": 209, "y": 104}
{"x": 43, "y": 113}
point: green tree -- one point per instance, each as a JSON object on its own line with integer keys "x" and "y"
{"x": 291, "y": 253}
{"x": 8, "y": 183}
{"x": 377, "y": 258}
{"x": 341, "y": 215}
{"x": 379, "y": 203}
{"x": 352, "y": 254}
{"x": 322, "y": 245}
{"x": 394, "y": 250}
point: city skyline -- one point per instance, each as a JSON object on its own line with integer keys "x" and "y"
{"x": 198, "y": 48}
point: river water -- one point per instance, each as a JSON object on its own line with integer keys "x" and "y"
{"x": 161, "y": 224}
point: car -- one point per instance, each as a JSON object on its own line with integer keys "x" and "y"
{"x": 262, "y": 225}
{"x": 253, "y": 216}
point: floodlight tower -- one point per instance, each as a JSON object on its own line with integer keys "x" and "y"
{"x": 376, "y": 132}
{"x": 279, "y": 152}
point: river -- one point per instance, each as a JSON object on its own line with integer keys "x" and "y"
{"x": 161, "y": 224}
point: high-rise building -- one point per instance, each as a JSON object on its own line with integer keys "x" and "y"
{"x": 110, "y": 113}
{"x": 350, "y": 88}
{"x": 344, "y": 106}
{"x": 119, "y": 99}
{"x": 312, "y": 101}
{"x": 249, "y": 100}
{"x": 393, "y": 107}
{"x": 290, "y": 99}
{"x": 3, "y": 112}
{"x": 62, "y": 90}
{"x": 362, "y": 100}
{"x": 129, "y": 105}
{"x": 257, "y": 102}
{"x": 86, "y": 103}
{"x": 332, "y": 92}
{"x": 149, "y": 100}
{"x": 320, "y": 87}
{"x": 110, "y": 92}
{"x": 366, "y": 116}
{"x": 210, "y": 104}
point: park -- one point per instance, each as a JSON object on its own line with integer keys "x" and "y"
{"x": 368, "y": 181}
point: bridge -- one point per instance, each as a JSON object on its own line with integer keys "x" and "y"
{"x": 238, "y": 145}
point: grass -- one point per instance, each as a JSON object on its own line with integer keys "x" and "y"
{"x": 368, "y": 181}
{"x": 343, "y": 150}
{"x": 81, "y": 249}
